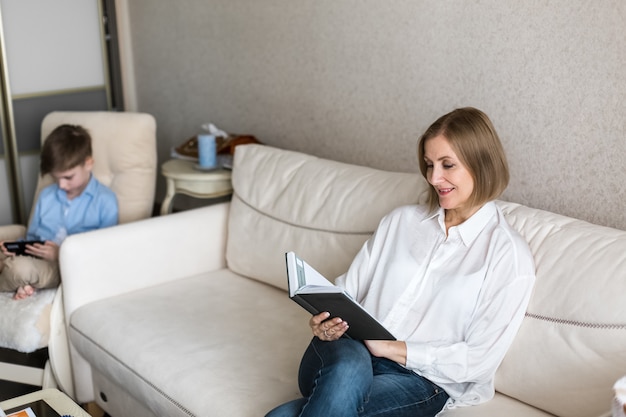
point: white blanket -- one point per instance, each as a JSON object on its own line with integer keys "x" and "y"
{"x": 25, "y": 324}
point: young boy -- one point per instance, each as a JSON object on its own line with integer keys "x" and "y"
{"x": 75, "y": 203}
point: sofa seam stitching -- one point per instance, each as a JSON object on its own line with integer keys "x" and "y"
{"x": 604, "y": 326}
{"x": 263, "y": 213}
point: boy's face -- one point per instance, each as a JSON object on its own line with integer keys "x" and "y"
{"x": 74, "y": 180}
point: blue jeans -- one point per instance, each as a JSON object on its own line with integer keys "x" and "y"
{"x": 342, "y": 379}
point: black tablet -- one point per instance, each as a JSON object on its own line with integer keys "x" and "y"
{"x": 19, "y": 247}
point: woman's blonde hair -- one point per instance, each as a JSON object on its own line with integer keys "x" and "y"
{"x": 473, "y": 138}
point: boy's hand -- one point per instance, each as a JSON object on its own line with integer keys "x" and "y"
{"x": 4, "y": 250}
{"x": 48, "y": 251}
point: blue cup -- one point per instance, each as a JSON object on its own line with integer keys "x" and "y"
{"x": 207, "y": 155}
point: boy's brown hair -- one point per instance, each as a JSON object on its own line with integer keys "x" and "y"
{"x": 66, "y": 147}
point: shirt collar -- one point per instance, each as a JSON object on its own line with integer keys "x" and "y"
{"x": 470, "y": 228}
{"x": 91, "y": 186}
{"x": 90, "y": 189}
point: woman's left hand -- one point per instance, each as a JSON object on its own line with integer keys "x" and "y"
{"x": 394, "y": 350}
{"x": 327, "y": 329}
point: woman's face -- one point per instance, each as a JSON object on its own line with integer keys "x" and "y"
{"x": 450, "y": 178}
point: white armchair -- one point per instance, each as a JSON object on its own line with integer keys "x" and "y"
{"x": 124, "y": 151}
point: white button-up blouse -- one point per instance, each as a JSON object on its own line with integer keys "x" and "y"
{"x": 457, "y": 300}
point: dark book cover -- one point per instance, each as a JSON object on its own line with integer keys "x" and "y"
{"x": 316, "y": 294}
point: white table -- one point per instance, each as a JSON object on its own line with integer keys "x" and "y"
{"x": 183, "y": 178}
{"x": 58, "y": 401}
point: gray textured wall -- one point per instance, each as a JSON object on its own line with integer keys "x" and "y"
{"x": 359, "y": 80}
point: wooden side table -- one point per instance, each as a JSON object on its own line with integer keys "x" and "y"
{"x": 183, "y": 178}
{"x": 58, "y": 401}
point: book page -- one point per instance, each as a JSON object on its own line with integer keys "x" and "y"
{"x": 300, "y": 274}
{"x": 317, "y": 289}
{"x": 312, "y": 278}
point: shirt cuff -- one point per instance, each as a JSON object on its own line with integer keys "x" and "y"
{"x": 419, "y": 356}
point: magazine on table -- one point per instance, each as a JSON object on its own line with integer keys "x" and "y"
{"x": 37, "y": 408}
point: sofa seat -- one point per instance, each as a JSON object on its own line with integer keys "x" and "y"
{"x": 188, "y": 331}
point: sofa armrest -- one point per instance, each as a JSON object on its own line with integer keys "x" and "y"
{"x": 124, "y": 258}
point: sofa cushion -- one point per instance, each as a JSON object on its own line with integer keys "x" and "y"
{"x": 167, "y": 345}
{"x": 321, "y": 209}
{"x": 571, "y": 346}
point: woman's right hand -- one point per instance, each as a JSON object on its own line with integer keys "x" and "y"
{"x": 325, "y": 329}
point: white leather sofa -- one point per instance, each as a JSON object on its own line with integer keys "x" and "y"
{"x": 187, "y": 314}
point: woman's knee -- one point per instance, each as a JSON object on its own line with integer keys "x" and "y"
{"x": 344, "y": 359}
{"x": 342, "y": 351}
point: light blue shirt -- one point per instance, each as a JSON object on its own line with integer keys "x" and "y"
{"x": 56, "y": 217}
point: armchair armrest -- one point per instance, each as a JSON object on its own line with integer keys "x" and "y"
{"x": 12, "y": 232}
{"x": 120, "y": 259}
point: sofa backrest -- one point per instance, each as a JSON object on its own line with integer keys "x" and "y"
{"x": 571, "y": 347}
{"x": 321, "y": 209}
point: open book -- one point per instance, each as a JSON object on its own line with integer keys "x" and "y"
{"x": 316, "y": 294}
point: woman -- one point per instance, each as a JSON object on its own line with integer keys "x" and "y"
{"x": 451, "y": 281}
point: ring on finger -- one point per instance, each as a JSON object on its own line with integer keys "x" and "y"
{"x": 326, "y": 334}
